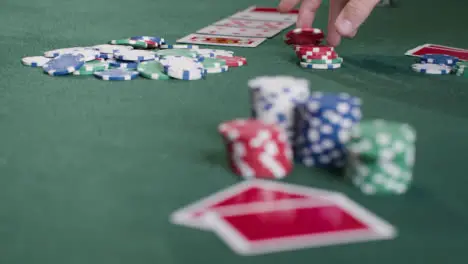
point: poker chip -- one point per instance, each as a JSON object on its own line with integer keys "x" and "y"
{"x": 110, "y": 49}
{"x": 313, "y": 48}
{"x": 35, "y": 61}
{"x": 214, "y": 52}
{"x": 324, "y": 123}
{"x": 234, "y": 61}
{"x": 381, "y": 156}
{"x": 179, "y": 46}
{"x": 304, "y": 36}
{"x": 460, "y": 68}
{"x": 318, "y": 57}
{"x": 58, "y": 52}
{"x": 63, "y": 64}
{"x": 116, "y": 75}
{"x": 137, "y": 44}
{"x": 185, "y": 74}
{"x": 180, "y": 62}
{"x": 122, "y": 64}
{"x": 338, "y": 60}
{"x": 429, "y": 68}
{"x": 217, "y": 69}
{"x": 106, "y": 56}
{"x": 177, "y": 52}
{"x": 90, "y": 67}
{"x": 325, "y": 66}
{"x": 274, "y": 100}
{"x": 439, "y": 59}
{"x": 87, "y": 53}
{"x": 158, "y": 40}
{"x": 152, "y": 70}
{"x": 256, "y": 149}
{"x": 134, "y": 55}
{"x": 209, "y": 63}
{"x": 312, "y": 53}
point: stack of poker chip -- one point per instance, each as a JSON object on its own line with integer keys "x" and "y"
{"x": 256, "y": 149}
{"x": 274, "y": 100}
{"x": 307, "y": 43}
{"x": 126, "y": 59}
{"x": 324, "y": 125}
{"x": 435, "y": 64}
{"x": 381, "y": 157}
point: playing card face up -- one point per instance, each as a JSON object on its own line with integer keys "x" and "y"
{"x": 462, "y": 54}
{"x": 239, "y": 32}
{"x": 221, "y": 40}
{"x": 266, "y": 13}
{"x": 299, "y": 225}
{"x": 245, "y": 23}
{"x": 254, "y": 193}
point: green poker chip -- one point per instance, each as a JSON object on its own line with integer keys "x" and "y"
{"x": 338, "y": 60}
{"x": 210, "y": 63}
{"x": 91, "y": 67}
{"x": 152, "y": 70}
{"x": 130, "y": 42}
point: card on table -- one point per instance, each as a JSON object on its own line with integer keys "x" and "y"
{"x": 253, "y": 193}
{"x": 266, "y": 13}
{"x": 221, "y": 40}
{"x": 239, "y": 31}
{"x": 302, "y": 224}
{"x": 246, "y": 23}
{"x": 438, "y": 49}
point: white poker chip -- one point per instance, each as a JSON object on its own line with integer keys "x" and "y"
{"x": 57, "y": 52}
{"x": 35, "y": 61}
{"x": 88, "y": 54}
{"x": 110, "y": 49}
{"x": 323, "y": 66}
{"x": 217, "y": 70}
{"x": 180, "y": 62}
{"x": 428, "y": 68}
{"x": 134, "y": 55}
{"x": 215, "y": 52}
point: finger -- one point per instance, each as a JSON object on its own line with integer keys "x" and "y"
{"x": 307, "y": 12}
{"x": 333, "y": 37}
{"x": 287, "y": 5}
{"x": 353, "y": 15}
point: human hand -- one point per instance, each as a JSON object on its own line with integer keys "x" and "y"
{"x": 344, "y": 17}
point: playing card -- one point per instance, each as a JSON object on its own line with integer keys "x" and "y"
{"x": 221, "y": 40}
{"x": 260, "y": 24}
{"x": 266, "y": 13}
{"x": 299, "y": 225}
{"x": 239, "y": 32}
{"x": 462, "y": 54}
{"x": 253, "y": 193}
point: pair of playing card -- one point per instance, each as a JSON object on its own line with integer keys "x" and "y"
{"x": 247, "y": 28}
{"x": 258, "y": 217}
{"x": 462, "y": 54}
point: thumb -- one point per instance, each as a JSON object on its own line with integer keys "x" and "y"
{"x": 353, "y": 15}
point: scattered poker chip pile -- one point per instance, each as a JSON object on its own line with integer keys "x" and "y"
{"x": 145, "y": 56}
{"x": 309, "y": 48}
{"x": 289, "y": 124}
{"x": 440, "y": 64}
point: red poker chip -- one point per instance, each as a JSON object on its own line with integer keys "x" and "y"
{"x": 311, "y": 53}
{"x": 304, "y": 36}
{"x": 246, "y": 129}
{"x": 319, "y": 57}
{"x": 151, "y": 44}
{"x": 234, "y": 61}
{"x": 313, "y": 48}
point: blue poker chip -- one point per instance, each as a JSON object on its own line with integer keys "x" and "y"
{"x": 439, "y": 59}
{"x": 123, "y": 64}
{"x": 106, "y": 56}
{"x": 64, "y": 64}
{"x": 117, "y": 75}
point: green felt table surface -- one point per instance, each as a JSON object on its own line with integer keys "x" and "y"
{"x": 90, "y": 170}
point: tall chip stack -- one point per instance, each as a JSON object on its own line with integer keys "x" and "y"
{"x": 274, "y": 100}
{"x": 382, "y": 155}
{"x": 256, "y": 149}
{"x": 324, "y": 125}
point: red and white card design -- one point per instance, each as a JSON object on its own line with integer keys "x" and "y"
{"x": 254, "y": 193}
{"x": 239, "y": 32}
{"x": 221, "y": 40}
{"x": 303, "y": 224}
{"x": 246, "y": 23}
{"x": 462, "y": 54}
{"x": 266, "y": 13}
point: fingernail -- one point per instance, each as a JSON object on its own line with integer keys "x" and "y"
{"x": 345, "y": 27}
